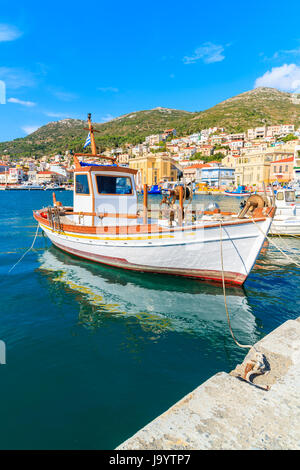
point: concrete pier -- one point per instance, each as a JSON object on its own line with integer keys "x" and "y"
{"x": 227, "y": 412}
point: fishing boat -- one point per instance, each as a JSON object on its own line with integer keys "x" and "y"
{"x": 239, "y": 192}
{"x": 26, "y": 187}
{"x": 287, "y": 217}
{"x": 55, "y": 187}
{"x": 105, "y": 225}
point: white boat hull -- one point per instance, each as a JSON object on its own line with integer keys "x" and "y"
{"x": 287, "y": 226}
{"x": 194, "y": 252}
{"x": 237, "y": 194}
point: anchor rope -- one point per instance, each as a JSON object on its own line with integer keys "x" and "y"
{"x": 27, "y": 251}
{"x": 247, "y": 346}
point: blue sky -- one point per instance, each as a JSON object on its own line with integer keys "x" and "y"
{"x": 63, "y": 59}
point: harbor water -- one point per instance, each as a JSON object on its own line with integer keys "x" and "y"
{"x": 94, "y": 353}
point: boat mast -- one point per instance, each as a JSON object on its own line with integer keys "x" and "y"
{"x": 91, "y": 130}
{"x": 93, "y": 145}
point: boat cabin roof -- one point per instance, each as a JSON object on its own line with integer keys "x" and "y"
{"x": 109, "y": 168}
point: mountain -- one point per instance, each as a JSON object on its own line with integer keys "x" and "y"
{"x": 258, "y": 107}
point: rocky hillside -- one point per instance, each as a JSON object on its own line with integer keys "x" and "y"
{"x": 261, "y": 106}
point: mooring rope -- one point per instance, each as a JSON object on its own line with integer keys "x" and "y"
{"x": 248, "y": 346}
{"x": 27, "y": 251}
{"x": 276, "y": 246}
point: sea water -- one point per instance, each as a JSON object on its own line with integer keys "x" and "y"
{"x": 90, "y": 354}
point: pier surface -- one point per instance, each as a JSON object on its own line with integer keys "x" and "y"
{"x": 226, "y": 412}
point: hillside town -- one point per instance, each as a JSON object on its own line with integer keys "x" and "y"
{"x": 210, "y": 159}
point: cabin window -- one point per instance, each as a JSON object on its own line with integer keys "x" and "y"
{"x": 113, "y": 184}
{"x": 290, "y": 196}
{"x": 82, "y": 184}
{"x": 280, "y": 196}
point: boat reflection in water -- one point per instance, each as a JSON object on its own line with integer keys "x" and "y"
{"x": 157, "y": 303}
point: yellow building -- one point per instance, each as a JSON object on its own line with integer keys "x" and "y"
{"x": 254, "y": 168}
{"x": 153, "y": 169}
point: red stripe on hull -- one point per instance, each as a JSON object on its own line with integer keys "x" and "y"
{"x": 231, "y": 278}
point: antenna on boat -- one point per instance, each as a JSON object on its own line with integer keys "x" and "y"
{"x": 93, "y": 145}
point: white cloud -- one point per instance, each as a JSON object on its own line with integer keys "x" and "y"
{"x": 16, "y": 78}
{"x": 208, "y": 53}
{"x": 285, "y": 78}
{"x": 23, "y": 103}
{"x": 281, "y": 55}
{"x": 9, "y": 33}
{"x": 109, "y": 89}
{"x": 29, "y": 129}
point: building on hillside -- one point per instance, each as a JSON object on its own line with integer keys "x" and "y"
{"x": 195, "y": 138}
{"x": 205, "y": 150}
{"x": 236, "y": 144}
{"x": 154, "y": 168}
{"x": 46, "y": 177}
{"x": 296, "y": 175}
{"x": 168, "y": 132}
{"x": 31, "y": 175}
{"x": 4, "y": 172}
{"x": 230, "y": 160}
{"x": 217, "y": 139}
{"x": 193, "y": 173}
{"x": 217, "y": 176}
{"x": 254, "y": 168}
{"x": 60, "y": 169}
{"x": 154, "y": 139}
{"x": 123, "y": 159}
{"x": 15, "y": 175}
{"x": 272, "y": 131}
{"x": 257, "y": 133}
{"x": 282, "y": 171}
{"x": 239, "y": 136}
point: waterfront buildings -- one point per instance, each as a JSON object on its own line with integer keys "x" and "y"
{"x": 282, "y": 170}
{"x": 248, "y": 157}
{"x": 217, "y": 176}
{"x": 154, "y": 168}
{"x": 253, "y": 168}
{"x": 296, "y": 174}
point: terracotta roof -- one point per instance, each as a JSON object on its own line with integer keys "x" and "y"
{"x": 196, "y": 165}
{"x": 284, "y": 160}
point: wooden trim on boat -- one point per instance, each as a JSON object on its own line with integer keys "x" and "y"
{"x": 106, "y": 168}
{"x": 93, "y": 198}
{"x": 103, "y": 214}
{"x": 140, "y": 228}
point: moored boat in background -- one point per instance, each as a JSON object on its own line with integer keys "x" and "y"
{"x": 287, "y": 217}
{"x": 239, "y": 192}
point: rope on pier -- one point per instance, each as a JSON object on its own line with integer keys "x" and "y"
{"x": 248, "y": 346}
{"x": 27, "y": 251}
{"x": 255, "y": 362}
